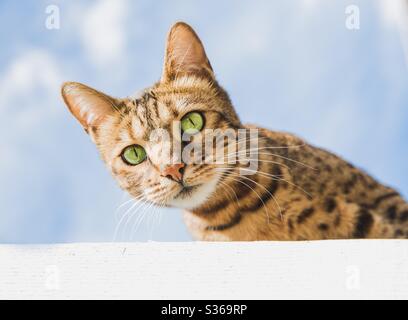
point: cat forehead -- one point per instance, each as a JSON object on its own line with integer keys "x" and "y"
{"x": 158, "y": 106}
{"x": 148, "y": 113}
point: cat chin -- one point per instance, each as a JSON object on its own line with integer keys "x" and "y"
{"x": 197, "y": 197}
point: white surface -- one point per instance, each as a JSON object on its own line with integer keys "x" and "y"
{"x": 330, "y": 269}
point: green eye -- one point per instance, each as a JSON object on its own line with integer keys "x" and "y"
{"x": 134, "y": 155}
{"x": 192, "y": 122}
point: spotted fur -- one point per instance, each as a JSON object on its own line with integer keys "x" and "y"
{"x": 299, "y": 192}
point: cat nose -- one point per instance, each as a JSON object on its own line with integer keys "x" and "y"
{"x": 173, "y": 171}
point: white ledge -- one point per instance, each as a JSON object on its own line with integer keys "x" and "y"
{"x": 274, "y": 270}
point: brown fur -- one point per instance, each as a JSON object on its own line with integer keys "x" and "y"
{"x": 299, "y": 192}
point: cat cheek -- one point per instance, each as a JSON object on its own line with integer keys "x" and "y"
{"x": 124, "y": 185}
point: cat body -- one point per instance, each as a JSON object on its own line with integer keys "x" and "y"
{"x": 296, "y": 192}
{"x": 300, "y": 192}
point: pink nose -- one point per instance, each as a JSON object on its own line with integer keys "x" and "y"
{"x": 173, "y": 172}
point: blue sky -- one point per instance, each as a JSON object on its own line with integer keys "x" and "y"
{"x": 288, "y": 65}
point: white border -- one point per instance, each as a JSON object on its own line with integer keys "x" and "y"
{"x": 274, "y": 270}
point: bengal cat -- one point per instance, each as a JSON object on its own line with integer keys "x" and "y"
{"x": 297, "y": 192}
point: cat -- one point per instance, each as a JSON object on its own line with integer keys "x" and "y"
{"x": 297, "y": 192}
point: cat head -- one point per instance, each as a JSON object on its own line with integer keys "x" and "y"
{"x": 142, "y": 138}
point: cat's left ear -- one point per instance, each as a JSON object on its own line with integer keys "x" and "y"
{"x": 185, "y": 54}
{"x": 89, "y": 106}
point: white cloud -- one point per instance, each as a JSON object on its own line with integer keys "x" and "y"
{"x": 395, "y": 15}
{"x": 104, "y": 31}
{"x": 394, "y": 12}
{"x": 33, "y": 74}
{"x": 28, "y": 88}
{"x": 310, "y": 4}
{"x": 34, "y": 68}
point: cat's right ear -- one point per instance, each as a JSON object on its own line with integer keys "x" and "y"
{"x": 185, "y": 54}
{"x": 89, "y": 106}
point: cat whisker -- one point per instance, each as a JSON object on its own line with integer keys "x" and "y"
{"x": 272, "y": 196}
{"x": 275, "y": 147}
{"x": 236, "y": 201}
{"x": 156, "y": 218}
{"x": 241, "y": 141}
{"x": 123, "y": 205}
{"x": 253, "y": 190}
{"x": 141, "y": 216}
{"x": 234, "y": 193}
{"x": 119, "y": 224}
{"x": 151, "y": 219}
{"x": 142, "y": 211}
{"x": 154, "y": 203}
{"x": 268, "y": 175}
{"x": 269, "y": 161}
{"x": 274, "y": 155}
{"x": 136, "y": 211}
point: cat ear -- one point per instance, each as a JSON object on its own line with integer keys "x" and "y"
{"x": 89, "y": 107}
{"x": 185, "y": 54}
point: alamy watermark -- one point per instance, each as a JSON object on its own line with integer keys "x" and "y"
{"x": 352, "y": 17}
{"x": 353, "y": 280}
{"x": 53, "y": 18}
{"x": 210, "y": 146}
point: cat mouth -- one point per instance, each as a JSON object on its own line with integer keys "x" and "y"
{"x": 186, "y": 191}
{"x": 193, "y": 196}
